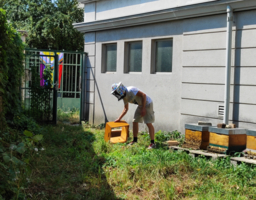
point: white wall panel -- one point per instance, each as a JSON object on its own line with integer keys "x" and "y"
{"x": 245, "y": 75}
{"x": 89, "y": 12}
{"x": 90, "y": 49}
{"x": 242, "y": 94}
{"x": 119, "y": 8}
{"x": 90, "y": 61}
{"x": 212, "y": 40}
{"x": 200, "y": 108}
{"x": 245, "y": 38}
{"x": 90, "y": 73}
{"x": 90, "y": 97}
{"x": 245, "y": 57}
{"x": 89, "y": 38}
{"x": 204, "y": 75}
{"x": 204, "y": 92}
{"x": 204, "y": 58}
{"x": 90, "y": 85}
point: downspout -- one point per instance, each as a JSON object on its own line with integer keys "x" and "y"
{"x": 228, "y": 64}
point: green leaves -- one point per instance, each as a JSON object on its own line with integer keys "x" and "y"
{"x": 37, "y": 138}
{"x": 21, "y": 148}
{"x": 28, "y": 133}
{"x": 6, "y": 157}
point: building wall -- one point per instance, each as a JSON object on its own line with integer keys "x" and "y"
{"x": 195, "y": 88}
{"x": 203, "y": 74}
{"x": 118, "y": 8}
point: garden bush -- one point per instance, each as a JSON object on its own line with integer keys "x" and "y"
{"x": 19, "y": 134}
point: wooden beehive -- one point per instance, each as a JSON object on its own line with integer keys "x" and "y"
{"x": 114, "y": 135}
{"x": 251, "y": 144}
{"x": 227, "y": 140}
{"x": 196, "y": 136}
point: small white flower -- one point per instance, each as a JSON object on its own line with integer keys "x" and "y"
{"x": 42, "y": 149}
{"x": 36, "y": 149}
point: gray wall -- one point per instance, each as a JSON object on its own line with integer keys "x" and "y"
{"x": 118, "y": 8}
{"x": 195, "y": 87}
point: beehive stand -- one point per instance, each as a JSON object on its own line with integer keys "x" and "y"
{"x": 116, "y": 136}
{"x": 196, "y": 136}
{"x": 227, "y": 140}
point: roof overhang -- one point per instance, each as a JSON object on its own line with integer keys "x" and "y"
{"x": 203, "y": 9}
{"x": 88, "y": 1}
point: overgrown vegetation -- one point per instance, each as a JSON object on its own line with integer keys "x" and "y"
{"x": 19, "y": 134}
{"x": 76, "y": 163}
{"x": 11, "y": 67}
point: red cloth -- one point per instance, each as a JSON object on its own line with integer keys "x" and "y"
{"x": 60, "y": 74}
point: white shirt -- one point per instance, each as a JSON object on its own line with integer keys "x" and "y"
{"x": 132, "y": 98}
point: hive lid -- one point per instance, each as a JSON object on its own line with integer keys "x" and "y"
{"x": 251, "y": 132}
{"x": 227, "y": 131}
{"x": 196, "y": 127}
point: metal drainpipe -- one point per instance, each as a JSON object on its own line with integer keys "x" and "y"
{"x": 228, "y": 63}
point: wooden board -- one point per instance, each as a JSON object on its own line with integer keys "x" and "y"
{"x": 115, "y": 140}
{"x": 172, "y": 143}
{"x": 251, "y": 142}
{"x": 242, "y": 159}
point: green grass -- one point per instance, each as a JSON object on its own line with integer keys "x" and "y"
{"x": 70, "y": 116}
{"x": 78, "y": 164}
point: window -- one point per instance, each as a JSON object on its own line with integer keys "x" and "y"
{"x": 162, "y": 59}
{"x": 109, "y": 58}
{"x": 134, "y": 57}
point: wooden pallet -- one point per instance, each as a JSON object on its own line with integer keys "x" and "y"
{"x": 237, "y": 160}
{"x": 196, "y": 153}
{"x": 248, "y": 156}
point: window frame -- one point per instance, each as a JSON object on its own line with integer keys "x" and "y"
{"x": 154, "y": 55}
{"x": 127, "y": 57}
{"x": 104, "y": 57}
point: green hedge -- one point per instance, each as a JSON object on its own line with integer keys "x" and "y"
{"x": 11, "y": 66}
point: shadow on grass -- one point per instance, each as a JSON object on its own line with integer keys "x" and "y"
{"x": 68, "y": 168}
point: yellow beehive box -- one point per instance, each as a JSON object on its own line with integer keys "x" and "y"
{"x": 115, "y": 135}
{"x": 196, "y": 136}
{"x": 227, "y": 140}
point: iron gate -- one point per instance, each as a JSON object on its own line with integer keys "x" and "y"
{"x": 60, "y": 76}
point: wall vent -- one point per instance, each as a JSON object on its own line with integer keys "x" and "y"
{"x": 220, "y": 111}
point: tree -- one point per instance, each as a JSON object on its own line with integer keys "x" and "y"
{"x": 49, "y": 24}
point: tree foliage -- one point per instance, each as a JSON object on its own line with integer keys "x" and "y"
{"x": 49, "y": 24}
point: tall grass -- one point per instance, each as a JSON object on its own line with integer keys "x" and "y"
{"x": 78, "y": 164}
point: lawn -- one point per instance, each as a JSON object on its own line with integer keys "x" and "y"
{"x": 74, "y": 162}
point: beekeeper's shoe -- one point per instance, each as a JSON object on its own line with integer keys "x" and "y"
{"x": 152, "y": 146}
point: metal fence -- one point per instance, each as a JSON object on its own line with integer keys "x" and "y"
{"x": 63, "y": 71}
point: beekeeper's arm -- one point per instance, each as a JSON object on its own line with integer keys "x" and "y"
{"x": 144, "y": 99}
{"x": 126, "y": 108}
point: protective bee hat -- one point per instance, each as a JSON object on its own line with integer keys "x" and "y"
{"x": 118, "y": 90}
